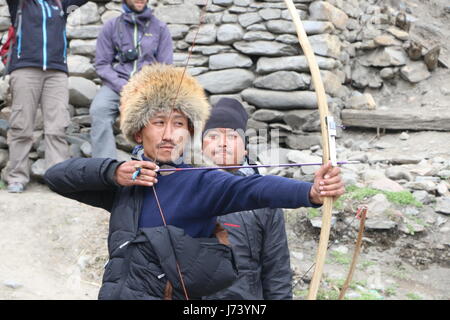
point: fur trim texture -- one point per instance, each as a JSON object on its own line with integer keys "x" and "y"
{"x": 154, "y": 89}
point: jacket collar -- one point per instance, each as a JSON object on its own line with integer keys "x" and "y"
{"x": 141, "y": 18}
{"x": 138, "y": 154}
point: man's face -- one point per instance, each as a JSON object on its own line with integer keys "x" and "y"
{"x": 137, "y": 5}
{"x": 224, "y": 146}
{"x": 164, "y": 138}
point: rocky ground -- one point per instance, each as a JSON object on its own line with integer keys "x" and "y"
{"x": 405, "y": 253}
{"x": 55, "y": 248}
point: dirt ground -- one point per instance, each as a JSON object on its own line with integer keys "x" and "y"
{"x": 52, "y": 247}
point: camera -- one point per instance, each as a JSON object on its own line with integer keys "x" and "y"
{"x": 129, "y": 56}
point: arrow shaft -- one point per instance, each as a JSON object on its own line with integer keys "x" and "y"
{"x": 255, "y": 166}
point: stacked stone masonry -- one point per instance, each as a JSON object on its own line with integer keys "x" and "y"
{"x": 248, "y": 50}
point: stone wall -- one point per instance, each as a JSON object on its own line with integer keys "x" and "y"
{"x": 248, "y": 49}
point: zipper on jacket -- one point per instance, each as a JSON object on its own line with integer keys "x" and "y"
{"x": 19, "y": 43}
{"x": 136, "y": 33}
{"x": 19, "y": 15}
{"x": 65, "y": 45}
{"x": 139, "y": 195}
{"x": 49, "y": 12}
{"x": 124, "y": 244}
{"x": 44, "y": 36}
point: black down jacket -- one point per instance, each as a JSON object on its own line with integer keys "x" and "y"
{"x": 259, "y": 242}
{"x": 142, "y": 260}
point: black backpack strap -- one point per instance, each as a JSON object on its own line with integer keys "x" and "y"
{"x": 119, "y": 31}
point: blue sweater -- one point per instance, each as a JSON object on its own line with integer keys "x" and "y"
{"x": 192, "y": 200}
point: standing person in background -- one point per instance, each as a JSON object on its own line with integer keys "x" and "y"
{"x": 126, "y": 44}
{"x": 258, "y": 237}
{"x": 38, "y": 75}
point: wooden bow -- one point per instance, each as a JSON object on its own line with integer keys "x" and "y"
{"x": 328, "y": 133}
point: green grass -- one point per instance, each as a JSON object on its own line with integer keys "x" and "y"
{"x": 361, "y": 283}
{"x": 336, "y": 286}
{"x": 399, "y": 274}
{"x": 413, "y": 296}
{"x": 322, "y": 294}
{"x": 401, "y": 197}
{"x": 411, "y": 229}
{"x": 301, "y": 293}
{"x": 2, "y": 185}
{"x": 366, "y": 264}
{"x": 417, "y": 221}
{"x": 369, "y": 296}
{"x": 313, "y": 213}
{"x": 356, "y": 193}
{"x": 339, "y": 283}
{"x": 420, "y": 221}
{"x": 340, "y": 258}
{"x": 391, "y": 291}
{"x": 339, "y": 204}
{"x": 327, "y": 295}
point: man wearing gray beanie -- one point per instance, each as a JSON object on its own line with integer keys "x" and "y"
{"x": 258, "y": 237}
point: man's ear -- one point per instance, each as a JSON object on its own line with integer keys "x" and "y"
{"x": 138, "y": 137}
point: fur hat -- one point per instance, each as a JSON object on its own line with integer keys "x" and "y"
{"x": 154, "y": 89}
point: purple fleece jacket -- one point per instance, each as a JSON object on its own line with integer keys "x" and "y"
{"x": 155, "y": 46}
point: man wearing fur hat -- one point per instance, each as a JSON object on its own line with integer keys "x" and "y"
{"x": 258, "y": 237}
{"x": 127, "y": 43}
{"x": 163, "y": 109}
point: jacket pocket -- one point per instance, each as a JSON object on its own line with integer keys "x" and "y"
{"x": 213, "y": 270}
{"x": 112, "y": 270}
{"x": 153, "y": 280}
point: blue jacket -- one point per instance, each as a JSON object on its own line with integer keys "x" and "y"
{"x": 41, "y": 42}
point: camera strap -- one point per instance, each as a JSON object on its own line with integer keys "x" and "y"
{"x": 119, "y": 28}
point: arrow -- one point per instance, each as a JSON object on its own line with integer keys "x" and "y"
{"x": 166, "y": 168}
